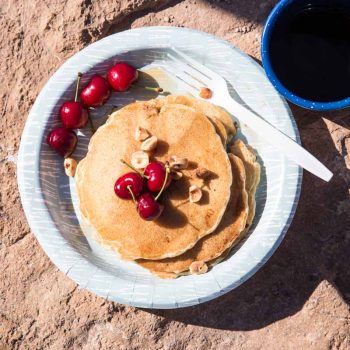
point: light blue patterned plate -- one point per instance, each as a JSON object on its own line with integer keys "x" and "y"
{"x": 50, "y": 202}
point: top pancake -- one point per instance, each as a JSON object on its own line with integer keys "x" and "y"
{"x": 181, "y": 132}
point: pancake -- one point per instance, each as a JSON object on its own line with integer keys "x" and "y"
{"x": 181, "y": 132}
{"x": 211, "y": 111}
{"x": 252, "y": 167}
{"x": 220, "y": 129}
{"x": 248, "y": 156}
{"x": 210, "y": 264}
{"x": 213, "y": 246}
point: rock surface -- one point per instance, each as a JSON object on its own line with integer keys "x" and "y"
{"x": 298, "y": 300}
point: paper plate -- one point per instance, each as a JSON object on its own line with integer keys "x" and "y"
{"x": 49, "y": 198}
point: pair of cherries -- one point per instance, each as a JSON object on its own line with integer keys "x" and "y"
{"x": 132, "y": 186}
{"x": 75, "y": 114}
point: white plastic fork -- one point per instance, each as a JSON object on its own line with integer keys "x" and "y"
{"x": 193, "y": 75}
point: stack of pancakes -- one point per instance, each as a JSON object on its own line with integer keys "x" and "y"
{"x": 187, "y": 234}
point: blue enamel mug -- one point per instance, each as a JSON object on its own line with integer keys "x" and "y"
{"x": 283, "y": 73}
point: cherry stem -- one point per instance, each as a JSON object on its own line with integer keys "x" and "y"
{"x": 132, "y": 193}
{"x": 149, "y": 88}
{"x": 154, "y": 89}
{"x": 77, "y": 87}
{"x": 167, "y": 171}
{"x": 132, "y": 168}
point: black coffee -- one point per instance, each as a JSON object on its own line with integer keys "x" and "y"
{"x": 310, "y": 54}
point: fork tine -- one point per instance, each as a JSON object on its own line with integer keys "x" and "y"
{"x": 177, "y": 70}
{"x": 203, "y": 79}
{"x": 198, "y": 66}
{"x": 185, "y": 77}
{"x": 188, "y": 87}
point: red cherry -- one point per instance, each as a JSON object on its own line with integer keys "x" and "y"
{"x": 74, "y": 115}
{"x": 147, "y": 207}
{"x": 132, "y": 180}
{"x": 121, "y": 76}
{"x": 62, "y": 141}
{"x": 155, "y": 171}
{"x": 96, "y": 93}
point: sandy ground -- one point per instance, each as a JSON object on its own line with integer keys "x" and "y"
{"x": 298, "y": 300}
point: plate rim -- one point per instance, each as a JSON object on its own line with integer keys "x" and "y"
{"x": 36, "y": 181}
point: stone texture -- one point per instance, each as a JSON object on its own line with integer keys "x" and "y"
{"x": 298, "y": 300}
